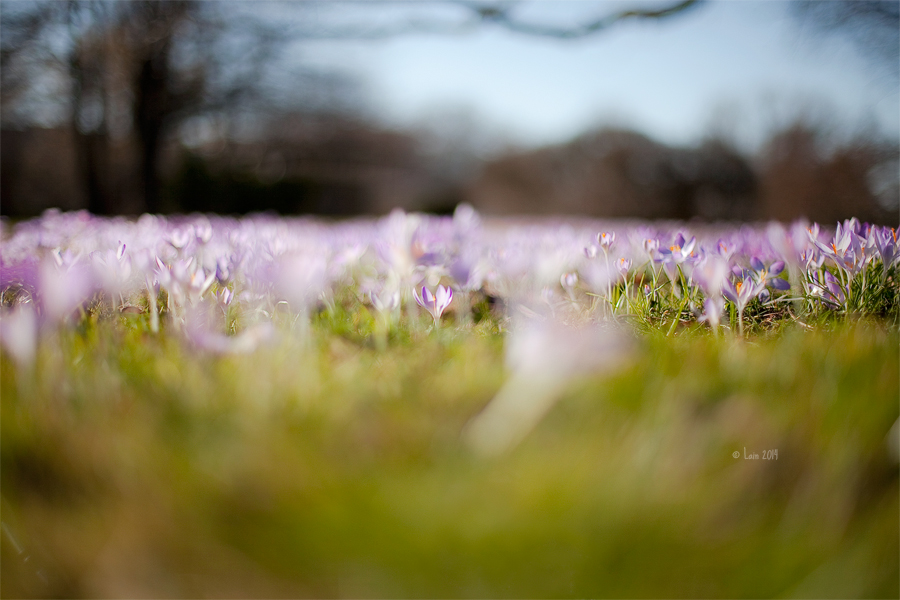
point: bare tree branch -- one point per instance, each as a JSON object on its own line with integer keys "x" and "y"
{"x": 499, "y": 14}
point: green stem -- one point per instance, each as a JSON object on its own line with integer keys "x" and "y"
{"x": 677, "y": 316}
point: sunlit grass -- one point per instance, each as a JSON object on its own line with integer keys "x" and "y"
{"x": 322, "y": 465}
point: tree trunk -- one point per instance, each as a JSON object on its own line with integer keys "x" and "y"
{"x": 150, "y": 111}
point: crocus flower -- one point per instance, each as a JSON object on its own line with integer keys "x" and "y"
{"x": 711, "y": 274}
{"x": 844, "y": 249}
{"x": 677, "y": 254}
{"x": 224, "y": 296}
{"x": 203, "y": 231}
{"x": 179, "y": 238}
{"x": 768, "y": 276}
{"x": 568, "y": 281}
{"x": 812, "y": 259}
{"x": 680, "y": 249}
{"x": 741, "y": 293}
{"x": 712, "y": 311}
{"x": 606, "y": 240}
{"x": 885, "y": 239}
{"x": 62, "y": 291}
{"x": 112, "y": 268}
{"x": 434, "y": 303}
{"x": 386, "y": 301}
{"x": 725, "y": 249}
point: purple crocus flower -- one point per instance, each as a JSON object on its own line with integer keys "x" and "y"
{"x": 651, "y": 247}
{"x": 712, "y": 311}
{"x": 568, "y": 281}
{"x": 676, "y": 254}
{"x": 680, "y": 249}
{"x": 711, "y": 274}
{"x": 179, "y": 238}
{"x": 885, "y": 239}
{"x": 725, "y": 249}
{"x": 768, "y": 276}
{"x": 844, "y": 249}
{"x": 741, "y": 293}
{"x": 62, "y": 291}
{"x": 434, "y": 303}
{"x": 606, "y": 240}
{"x": 812, "y": 259}
{"x": 385, "y": 301}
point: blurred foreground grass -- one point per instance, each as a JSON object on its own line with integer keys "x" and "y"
{"x": 134, "y": 466}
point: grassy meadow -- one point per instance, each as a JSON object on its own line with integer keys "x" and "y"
{"x": 132, "y": 466}
{"x": 270, "y": 408}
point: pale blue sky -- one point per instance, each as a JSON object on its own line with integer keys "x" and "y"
{"x": 743, "y": 66}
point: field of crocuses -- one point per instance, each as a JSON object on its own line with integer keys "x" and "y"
{"x": 415, "y": 406}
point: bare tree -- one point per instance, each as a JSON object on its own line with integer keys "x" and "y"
{"x": 151, "y": 64}
{"x": 139, "y": 69}
{"x": 873, "y": 25}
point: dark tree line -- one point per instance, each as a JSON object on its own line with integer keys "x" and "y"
{"x": 131, "y": 70}
{"x": 126, "y": 75}
{"x": 126, "y": 78}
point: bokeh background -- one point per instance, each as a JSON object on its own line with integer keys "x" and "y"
{"x": 643, "y": 109}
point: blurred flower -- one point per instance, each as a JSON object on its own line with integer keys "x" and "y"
{"x": 113, "y": 269}
{"x": 224, "y": 296}
{"x": 606, "y": 240}
{"x": 62, "y": 291}
{"x": 542, "y": 356}
{"x": 725, "y": 249}
{"x": 466, "y": 219}
{"x": 712, "y": 311}
{"x": 711, "y": 275}
{"x": 568, "y": 281}
{"x": 203, "y": 230}
{"x": 179, "y": 238}
{"x": 300, "y": 278}
{"x": 244, "y": 342}
{"x": 467, "y": 271}
{"x": 386, "y": 301}
{"x": 18, "y": 335}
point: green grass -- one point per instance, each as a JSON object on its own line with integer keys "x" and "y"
{"x": 133, "y": 465}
